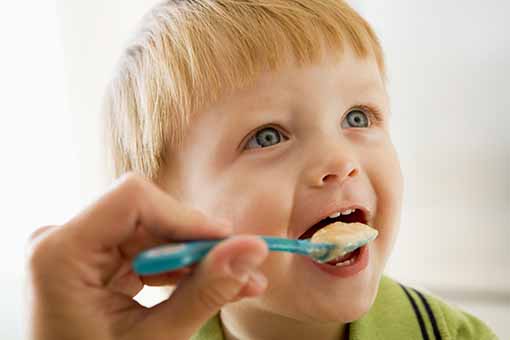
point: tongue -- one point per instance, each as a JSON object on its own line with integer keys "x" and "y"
{"x": 343, "y": 258}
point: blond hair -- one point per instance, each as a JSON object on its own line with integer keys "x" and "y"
{"x": 189, "y": 53}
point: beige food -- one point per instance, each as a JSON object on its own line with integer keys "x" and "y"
{"x": 345, "y": 236}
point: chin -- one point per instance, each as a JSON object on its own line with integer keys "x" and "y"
{"x": 355, "y": 309}
{"x": 323, "y": 300}
{"x": 348, "y": 308}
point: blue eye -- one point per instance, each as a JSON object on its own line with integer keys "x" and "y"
{"x": 264, "y": 138}
{"x": 356, "y": 119}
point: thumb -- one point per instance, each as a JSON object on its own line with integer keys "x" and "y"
{"x": 229, "y": 272}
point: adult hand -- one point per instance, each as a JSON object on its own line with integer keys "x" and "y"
{"x": 81, "y": 280}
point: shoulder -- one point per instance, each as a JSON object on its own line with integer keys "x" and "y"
{"x": 430, "y": 315}
{"x": 460, "y": 324}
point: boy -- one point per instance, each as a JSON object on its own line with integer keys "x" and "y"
{"x": 279, "y": 137}
{"x": 273, "y": 115}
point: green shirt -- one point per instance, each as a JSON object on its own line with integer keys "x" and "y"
{"x": 398, "y": 313}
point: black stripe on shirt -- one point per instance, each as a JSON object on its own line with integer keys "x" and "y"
{"x": 417, "y": 313}
{"x": 431, "y": 315}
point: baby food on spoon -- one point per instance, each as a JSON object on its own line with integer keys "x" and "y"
{"x": 346, "y": 236}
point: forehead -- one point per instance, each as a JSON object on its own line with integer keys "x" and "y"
{"x": 347, "y": 77}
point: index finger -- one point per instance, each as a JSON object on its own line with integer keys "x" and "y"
{"x": 135, "y": 202}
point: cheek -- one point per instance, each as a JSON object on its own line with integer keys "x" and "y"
{"x": 256, "y": 203}
{"x": 384, "y": 171}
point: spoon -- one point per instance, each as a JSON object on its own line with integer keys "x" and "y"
{"x": 173, "y": 256}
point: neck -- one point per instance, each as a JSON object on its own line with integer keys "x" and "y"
{"x": 242, "y": 322}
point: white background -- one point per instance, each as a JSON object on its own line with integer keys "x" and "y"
{"x": 449, "y": 65}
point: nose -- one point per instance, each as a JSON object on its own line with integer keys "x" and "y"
{"x": 333, "y": 164}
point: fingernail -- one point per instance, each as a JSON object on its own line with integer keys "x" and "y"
{"x": 243, "y": 265}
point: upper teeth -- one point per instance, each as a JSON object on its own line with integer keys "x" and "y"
{"x": 345, "y": 212}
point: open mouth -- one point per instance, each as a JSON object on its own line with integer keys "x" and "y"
{"x": 356, "y": 215}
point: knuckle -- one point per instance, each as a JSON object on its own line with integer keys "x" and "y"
{"x": 134, "y": 187}
{"x": 38, "y": 233}
{"x": 133, "y": 182}
{"x": 40, "y": 248}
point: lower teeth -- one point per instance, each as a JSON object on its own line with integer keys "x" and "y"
{"x": 345, "y": 263}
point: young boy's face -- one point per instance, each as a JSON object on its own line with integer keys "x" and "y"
{"x": 273, "y": 158}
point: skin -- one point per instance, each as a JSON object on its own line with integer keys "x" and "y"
{"x": 272, "y": 190}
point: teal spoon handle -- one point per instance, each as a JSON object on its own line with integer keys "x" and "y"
{"x": 173, "y": 256}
